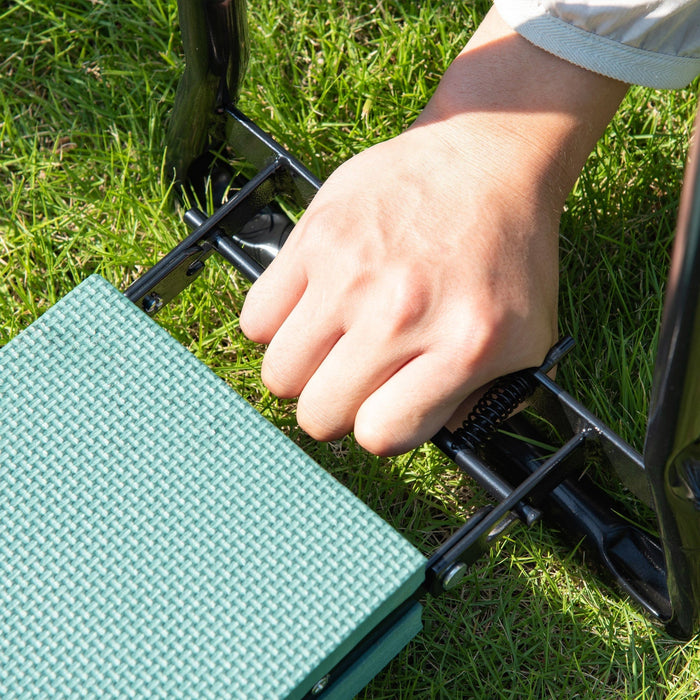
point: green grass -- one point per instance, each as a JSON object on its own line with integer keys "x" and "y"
{"x": 86, "y": 89}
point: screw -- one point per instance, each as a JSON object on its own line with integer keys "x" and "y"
{"x": 454, "y": 575}
{"x": 321, "y": 685}
{"x": 152, "y": 302}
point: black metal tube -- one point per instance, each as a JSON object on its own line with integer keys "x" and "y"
{"x": 228, "y": 250}
{"x": 491, "y": 482}
{"x": 225, "y": 247}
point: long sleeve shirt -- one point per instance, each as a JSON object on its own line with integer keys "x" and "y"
{"x": 656, "y": 44}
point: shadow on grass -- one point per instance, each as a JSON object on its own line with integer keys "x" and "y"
{"x": 527, "y": 624}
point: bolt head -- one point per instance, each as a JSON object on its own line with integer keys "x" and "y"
{"x": 454, "y": 575}
{"x": 151, "y": 303}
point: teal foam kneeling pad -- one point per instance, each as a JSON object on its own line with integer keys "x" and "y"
{"x": 158, "y": 537}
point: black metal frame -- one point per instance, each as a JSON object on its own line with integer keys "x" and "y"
{"x": 661, "y": 574}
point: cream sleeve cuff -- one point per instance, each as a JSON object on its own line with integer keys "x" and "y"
{"x": 656, "y": 44}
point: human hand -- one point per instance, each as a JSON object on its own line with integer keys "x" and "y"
{"x": 427, "y": 266}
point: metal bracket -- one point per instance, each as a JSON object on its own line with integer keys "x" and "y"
{"x": 468, "y": 543}
{"x": 280, "y": 174}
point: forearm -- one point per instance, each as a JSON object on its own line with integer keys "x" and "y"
{"x": 544, "y": 113}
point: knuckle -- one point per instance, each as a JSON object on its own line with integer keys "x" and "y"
{"x": 312, "y": 230}
{"x": 318, "y": 422}
{"x": 378, "y": 438}
{"x": 277, "y": 379}
{"x": 406, "y": 303}
{"x": 501, "y": 343}
{"x": 473, "y": 337}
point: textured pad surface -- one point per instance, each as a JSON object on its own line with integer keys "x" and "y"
{"x": 157, "y": 536}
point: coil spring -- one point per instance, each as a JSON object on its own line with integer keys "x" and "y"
{"x": 493, "y": 409}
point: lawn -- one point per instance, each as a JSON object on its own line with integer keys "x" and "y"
{"x": 86, "y": 90}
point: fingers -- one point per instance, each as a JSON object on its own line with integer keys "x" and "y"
{"x": 300, "y": 345}
{"x": 273, "y": 297}
{"x": 410, "y": 407}
{"x": 354, "y": 369}
{"x": 341, "y": 342}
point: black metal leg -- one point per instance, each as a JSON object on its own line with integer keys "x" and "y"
{"x": 214, "y": 35}
{"x": 672, "y": 450}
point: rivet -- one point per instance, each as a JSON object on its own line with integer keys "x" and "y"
{"x": 321, "y": 685}
{"x": 195, "y": 267}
